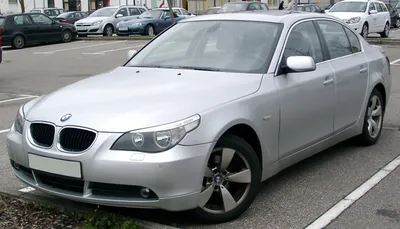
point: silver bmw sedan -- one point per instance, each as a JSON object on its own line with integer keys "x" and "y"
{"x": 204, "y": 113}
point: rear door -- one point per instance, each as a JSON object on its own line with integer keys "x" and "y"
{"x": 23, "y": 24}
{"x": 351, "y": 72}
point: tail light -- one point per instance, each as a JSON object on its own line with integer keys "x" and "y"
{"x": 63, "y": 20}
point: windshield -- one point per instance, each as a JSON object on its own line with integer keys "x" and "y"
{"x": 151, "y": 14}
{"x": 105, "y": 12}
{"x": 397, "y": 5}
{"x": 63, "y": 15}
{"x": 349, "y": 7}
{"x": 230, "y": 46}
{"x": 212, "y": 11}
{"x": 233, "y": 7}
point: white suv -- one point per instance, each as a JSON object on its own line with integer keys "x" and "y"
{"x": 364, "y": 16}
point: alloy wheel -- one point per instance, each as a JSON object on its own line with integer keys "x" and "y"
{"x": 365, "y": 31}
{"x": 151, "y": 31}
{"x": 227, "y": 181}
{"x": 397, "y": 23}
{"x": 19, "y": 42}
{"x": 374, "y": 116}
{"x": 109, "y": 31}
{"x": 387, "y": 30}
{"x": 66, "y": 36}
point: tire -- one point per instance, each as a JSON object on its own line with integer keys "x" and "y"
{"x": 222, "y": 183}
{"x": 149, "y": 30}
{"x": 367, "y": 137}
{"x": 386, "y": 30}
{"x": 18, "y": 42}
{"x": 108, "y": 31}
{"x": 364, "y": 31}
{"x": 397, "y": 24}
{"x": 66, "y": 36}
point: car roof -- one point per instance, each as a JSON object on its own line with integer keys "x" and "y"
{"x": 247, "y": 2}
{"x": 277, "y": 16}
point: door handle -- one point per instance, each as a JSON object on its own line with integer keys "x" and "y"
{"x": 363, "y": 69}
{"x": 328, "y": 80}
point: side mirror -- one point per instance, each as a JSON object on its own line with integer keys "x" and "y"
{"x": 130, "y": 54}
{"x": 373, "y": 12}
{"x": 167, "y": 17}
{"x": 118, "y": 15}
{"x": 300, "y": 64}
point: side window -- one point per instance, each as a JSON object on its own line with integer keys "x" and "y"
{"x": 134, "y": 11}
{"x": 78, "y": 15}
{"x": 371, "y": 6}
{"x": 263, "y": 6}
{"x": 22, "y": 20}
{"x": 317, "y": 8}
{"x": 177, "y": 11}
{"x": 336, "y": 39}
{"x": 184, "y": 12}
{"x": 307, "y": 9}
{"x": 41, "y": 19}
{"x": 142, "y": 10}
{"x": 354, "y": 42}
{"x": 123, "y": 11}
{"x": 383, "y": 7}
{"x": 303, "y": 41}
{"x": 379, "y": 7}
{"x": 254, "y": 6}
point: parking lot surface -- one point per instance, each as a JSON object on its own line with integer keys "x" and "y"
{"x": 294, "y": 198}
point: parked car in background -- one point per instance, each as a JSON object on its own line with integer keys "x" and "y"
{"x": 310, "y": 8}
{"x": 242, "y": 6}
{"x": 2, "y": 20}
{"x": 327, "y": 8}
{"x": 150, "y": 23}
{"x": 104, "y": 21}
{"x": 212, "y": 10}
{"x": 364, "y": 16}
{"x": 70, "y": 17}
{"x": 51, "y": 12}
{"x": 32, "y": 28}
{"x": 394, "y": 16}
{"x": 181, "y": 11}
{"x": 197, "y": 122}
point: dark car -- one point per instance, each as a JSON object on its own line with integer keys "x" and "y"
{"x": 32, "y": 28}
{"x": 310, "y": 8}
{"x": 2, "y": 19}
{"x": 394, "y": 16}
{"x": 70, "y": 17}
{"x": 242, "y": 6}
{"x": 150, "y": 22}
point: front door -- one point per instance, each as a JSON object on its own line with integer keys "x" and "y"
{"x": 48, "y": 30}
{"x": 351, "y": 72}
{"x": 306, "y": 99}
{"x": 373, "y": 27}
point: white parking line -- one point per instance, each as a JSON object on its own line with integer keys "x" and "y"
{"x": 80, "y": 47}
{"x": 27, "y": 189}
{"x": 111, "y": 50}
{"x": 4, "y": 131}
{"x": 395, "y": 61}
{"x": 53, "y": 45}
{"x": 21, "y": 98}
{"x": 345, "y": 203}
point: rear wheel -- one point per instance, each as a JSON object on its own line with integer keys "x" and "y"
{"x": 386, "y": 30}
{"x": 18, "y": 42}
{"x": 231, "y": 181}
{"x": 373, "y": 120}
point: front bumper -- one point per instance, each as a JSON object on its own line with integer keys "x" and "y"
{"x": 89, "y": 30}
{"x": 174, "y": 176}
{"x": 130, "y": 31}
{"x": 356, "y": 26}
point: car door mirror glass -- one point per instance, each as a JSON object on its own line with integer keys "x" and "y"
{"x": 300, "y": 64}
{"x": 373, "y": 12}
{"x": 130, "y": 54}
{"x": 119, "y": 15}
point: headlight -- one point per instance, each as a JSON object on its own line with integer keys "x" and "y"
{"x": 157, "y": 139}
{"x": 354, "y": 20}
{"x": 19, "y": 121}
{"x": 138, "y": 24}
{"x": 96, "y": 23}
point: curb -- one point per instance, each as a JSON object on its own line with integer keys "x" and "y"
{"x": 380, "y": 41}
{"x": 78, "y": 207}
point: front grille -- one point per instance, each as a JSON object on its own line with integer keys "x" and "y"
{"x": 60, "y": 182}
{"x": 42, "y": 134}
{"x": 118, "y": 190}
{"x": 76, "y": 140}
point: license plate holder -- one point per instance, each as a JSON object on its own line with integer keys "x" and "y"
{"x": 55, "y": 166}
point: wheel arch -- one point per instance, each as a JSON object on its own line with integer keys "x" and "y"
{"x": 381, "y": 88}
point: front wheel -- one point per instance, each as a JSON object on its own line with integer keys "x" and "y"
{"x": 385, "y": 32}
{"x": 397, "y": 24}
{"x": 66, "y": 36}
{"x": 149, "y": 31}
{"x": 108, "y": 31}
{"x": 373, "y": 120}
{"x": 364, "y": 31}
{"x": 231, "y": 181}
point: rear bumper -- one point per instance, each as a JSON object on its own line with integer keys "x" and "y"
{"x": 6, "y": 40}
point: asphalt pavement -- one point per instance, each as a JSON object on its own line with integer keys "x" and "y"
{"x": 294, "y": 198}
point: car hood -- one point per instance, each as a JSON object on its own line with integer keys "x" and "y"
{"x": 92, "y": 19}
{"x": 345, "y": 15}
{"x": 129, "y": 98}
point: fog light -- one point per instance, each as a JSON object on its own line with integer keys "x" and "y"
{"x": 145, "y": 192}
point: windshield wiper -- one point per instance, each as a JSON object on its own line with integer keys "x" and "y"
{"x": 199, "y": 68}
{"x": 147, "y": 66}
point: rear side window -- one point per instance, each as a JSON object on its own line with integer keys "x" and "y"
{"x": 354, "y": 42}
{"x": 336, "y": 38}
{"x": 2, "y": 20}
{"x": 22, "y": 20}
{"x": 134, "y": 11}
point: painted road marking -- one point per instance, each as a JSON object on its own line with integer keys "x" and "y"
{"x": 27, "y": 189}
{"x": 80, "y": 47}
{"x": 20, "y": 98}
{"x": 4, "y": 131}
{"x": 345, "y": 203}
{"x": 52, "y": 45}
{"x": 395, "y": 62}
{"x": 111, "y": 50}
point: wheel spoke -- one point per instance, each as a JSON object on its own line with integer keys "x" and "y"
{"x": 373, "y": 100}
{"x": 206, "y": 195}
{"x": 209, "y": 173}
{"x": 369, "y": 126}
{"x": 377, "y": 111}
{"x": 240, "y": 177}
{"x": 227, "y": 199}
{"x": 374, "y": 125}
{"x": 227, "y": 155}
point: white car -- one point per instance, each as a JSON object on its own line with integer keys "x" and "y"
{"x": 181, "y": 12}
{"x": 364, "y": 16}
